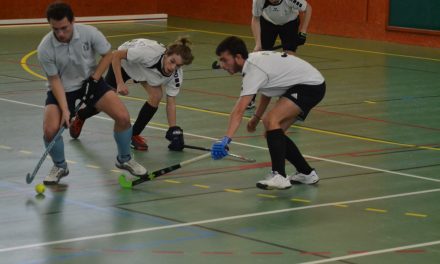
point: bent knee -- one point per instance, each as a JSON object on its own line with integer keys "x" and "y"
{"x": 49, "y": 131}
{"x": 123, "y": 120}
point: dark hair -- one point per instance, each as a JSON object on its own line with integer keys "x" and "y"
{"x": 234, "y": 45}
{"x": 58, "y": 10}
{"x": 181, "y": 47}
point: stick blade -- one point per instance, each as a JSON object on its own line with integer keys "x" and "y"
{"x": 124, "y": 183}
{"x": 29, "y": 179}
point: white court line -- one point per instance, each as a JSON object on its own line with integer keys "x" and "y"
{"x": 265, "y": 148}
{"x": 215, "y": 220}
{"x": 376, "y": 252}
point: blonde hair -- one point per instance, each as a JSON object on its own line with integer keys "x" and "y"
{"x": 182, "y": 48}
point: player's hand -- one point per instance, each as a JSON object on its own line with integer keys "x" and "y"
{"x": 257, "y": 48}
{"x": 175, "y": 136}
{"x": 220, "y": 148}
{"x": 302, "y": 37}
{"x": 252, "y": 124}
{"x": 65, "y": 118}
{"x": 122, "y": 89}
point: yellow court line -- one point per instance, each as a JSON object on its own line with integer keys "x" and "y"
{"x": 300, "y": 200}
{"x": 172, "y": 181}
{"x": 233, "y": 191}
{"x": 27, "y": 152}
{"x": 416, "y": 215}
{"x": 266, "y": 195}
{"x": 341, "y": 205}
{"x": 5, "y": 147}
{"x": 376, "y": 210}
{"x": 116, "y": 171}
{"x": 92, "y": 166}
{"x": 201, "y": 186}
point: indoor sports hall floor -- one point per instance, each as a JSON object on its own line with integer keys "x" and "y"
{"x": 374, "y": 140}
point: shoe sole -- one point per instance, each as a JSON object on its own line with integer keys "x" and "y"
{"x": 298, "y": 182}
{"x": 266, "y": 187}
{"x": 55, "y": 182}
{"x": 129, "y": 170}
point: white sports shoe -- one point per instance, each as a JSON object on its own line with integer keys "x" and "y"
{"x": 55, "y": 175}
{"x": 132, "y": 166}
{"x": 274, "y": 181}
{"x": 297, "y": 177}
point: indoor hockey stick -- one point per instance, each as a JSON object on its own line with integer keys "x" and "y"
{"x": 30, "y": 177}
{"x": 152, "y": 175}
{"x": 239, "y": 157}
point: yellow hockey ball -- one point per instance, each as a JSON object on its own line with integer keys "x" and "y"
{"x": 40, "y": 188}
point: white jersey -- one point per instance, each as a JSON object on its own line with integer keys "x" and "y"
{"x": 281, "y": 13}
{"x": 144, "y": 64}
{"x": 272, "y": 73}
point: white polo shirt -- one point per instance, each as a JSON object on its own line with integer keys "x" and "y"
{"x": 279, "y": 14}
{"x": 74, "y": 61}
{"x": 273, "y": 73}
{"x": 144, "y": 63}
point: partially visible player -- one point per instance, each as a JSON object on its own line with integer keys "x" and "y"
{"x": 67, "y": 56}
{"x": 273, "y": 18}
{"x": 299, "y": 87}
{"x": 154, "y": 66}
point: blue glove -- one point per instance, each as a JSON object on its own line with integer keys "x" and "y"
{"x": 219, "y": 149}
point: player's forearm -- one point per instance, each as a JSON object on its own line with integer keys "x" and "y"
{"x": 103, "y": 65}
{"x": 116, "y": 64}
{"x": 171, "y": 111}
{"x": 57, "y": 89}
{"x": 262, "y": 105}
{"x": 307, "y": 17}
{"x": 256, "y": 30}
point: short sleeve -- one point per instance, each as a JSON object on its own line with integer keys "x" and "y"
{"x": 253, "y": 79}
{"x": 100, "y": 43}
{"x": 47, "y": 62}
{"x": 300, "y": 5}
{"x": 173, "y": 85}
{"x": 257, "y": 7}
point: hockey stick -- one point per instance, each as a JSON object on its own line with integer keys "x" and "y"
{"x": 30, "y": 177}
{"x": 150, "y": 176}
{"x": 242, "y": 158}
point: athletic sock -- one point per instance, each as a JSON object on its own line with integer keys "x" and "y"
{"x": 57, "y": 152}
{"x": 145, "y": 114}
{"x": 277, "y": 149}
{"x": 87, "y": 112}
{"x": 294, "y": 156}
{"x": 123, "y": 139}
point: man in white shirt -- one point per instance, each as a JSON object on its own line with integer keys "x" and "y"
{"x": 154, "y": 66}
{"x": 299, "y": 87}
{"x": 67, "y": 56}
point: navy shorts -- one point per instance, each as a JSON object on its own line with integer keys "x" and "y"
{"x": 74, "y": 97}
{"x": 305, "y": 97}
{"x": 110, "y": 78}
{"x": 288, "y": 34}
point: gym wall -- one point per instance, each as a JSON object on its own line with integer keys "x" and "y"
{"x": 367, "y": 19}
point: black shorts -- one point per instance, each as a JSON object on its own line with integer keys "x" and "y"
{"x": 306, "y": 97}
{"x": 288, "y": 34}
{"x": 73, "y": 97}
{"x": 110, "y": 78}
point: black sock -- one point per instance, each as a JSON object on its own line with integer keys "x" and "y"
{"x": 277, "y": 149}
{"x": 145, "y": 114}
{"x": 87, "y": 112}
{"x": 294, "y": 156}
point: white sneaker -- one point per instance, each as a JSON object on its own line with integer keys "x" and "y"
{"x": 132, "y": 166}
{"x": 55, "y": 175}
{"x": 277, "y": 181}
{"x": 311, "y": 178}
